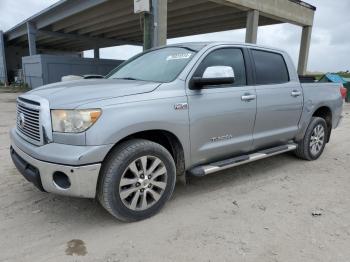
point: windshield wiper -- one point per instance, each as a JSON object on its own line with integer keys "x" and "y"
{"x": 190, "y": 49}
{"x": 127, "y": 78}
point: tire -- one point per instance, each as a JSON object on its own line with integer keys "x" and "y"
{"x": 305, "y": 150}
{"x": 122, "y": 173}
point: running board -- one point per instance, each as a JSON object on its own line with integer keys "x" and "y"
{"x": 240, "y": 160}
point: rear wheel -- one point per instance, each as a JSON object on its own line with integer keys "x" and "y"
{"x": 314, "y": 141}
{"x": 137, "y": 180}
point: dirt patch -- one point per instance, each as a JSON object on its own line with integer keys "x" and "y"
{"x": 76, "y": 247}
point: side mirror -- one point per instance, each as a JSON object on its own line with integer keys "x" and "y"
{"x": 214, "y": 75}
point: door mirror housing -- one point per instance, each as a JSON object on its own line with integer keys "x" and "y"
{"x": 214, "y": 75}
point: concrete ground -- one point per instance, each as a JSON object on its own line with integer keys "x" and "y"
{"x": 278, "y": 209}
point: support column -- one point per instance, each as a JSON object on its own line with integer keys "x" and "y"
{"x": 3, "y": 65}
{"x": 252, "y": 26}
{"x": 31, "y": 33}
{"x": 97, "y": 53}
{"x": 304, "y": 50}
{"x": 160, "y": 14}
{"x": 156, "y": 25}
{"x": 147, "y": 31}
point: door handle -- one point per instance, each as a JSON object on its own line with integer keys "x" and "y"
{"x": 248, "y": 97}
{"x": 295, "y": 93}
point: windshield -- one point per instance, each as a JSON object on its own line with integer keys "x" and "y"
{"x": 161, "y": 65}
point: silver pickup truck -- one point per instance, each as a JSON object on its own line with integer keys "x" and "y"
{"x": 182, "y": 110}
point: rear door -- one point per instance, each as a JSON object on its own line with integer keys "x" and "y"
{"x": 279, "y": 99}
{"x": 221, "y": 123}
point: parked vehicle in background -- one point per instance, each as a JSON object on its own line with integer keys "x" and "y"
{"x": 195, "y": 109}
{"x": 75, "y": 77}
{"x": 347, "y": 86}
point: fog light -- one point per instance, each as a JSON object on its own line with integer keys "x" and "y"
{"x": 61, "y": 180}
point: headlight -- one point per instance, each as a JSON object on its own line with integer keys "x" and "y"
{"x": 73, "y": 121}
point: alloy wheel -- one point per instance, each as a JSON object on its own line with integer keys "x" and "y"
{"x": 317, "y": 139}
{"x": 143, "y": 183}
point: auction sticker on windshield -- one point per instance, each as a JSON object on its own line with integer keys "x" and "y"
{"x": 179, "y": 56}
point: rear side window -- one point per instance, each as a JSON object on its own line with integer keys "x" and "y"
{"x": 232, "y": 57}
{"x": 270, "y": 68}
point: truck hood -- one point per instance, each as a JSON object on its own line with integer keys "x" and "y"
{"x": 76, "y": 93}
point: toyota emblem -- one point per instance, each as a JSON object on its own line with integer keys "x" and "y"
{"x": 21, "y": 120}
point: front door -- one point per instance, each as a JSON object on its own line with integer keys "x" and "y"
{"x": 221, "y": 122}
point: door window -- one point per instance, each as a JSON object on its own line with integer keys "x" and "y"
{"x": 270, "y": 68}
{"x": 232, "y": 57}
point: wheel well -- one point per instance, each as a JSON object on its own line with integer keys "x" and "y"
{"x": 325, "y": 113}
{"x": 167, "y": 140}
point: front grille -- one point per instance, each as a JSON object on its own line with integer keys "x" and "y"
{"x": 28, "y": 120}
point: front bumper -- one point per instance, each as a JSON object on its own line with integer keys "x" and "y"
{"x": 40, "y": 164}
{"x": 31, "y": 173}
{"x": 82, "y": 179}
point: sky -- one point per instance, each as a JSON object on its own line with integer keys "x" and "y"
{"x": 330, "y": 44}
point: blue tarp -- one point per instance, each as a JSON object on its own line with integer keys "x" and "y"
{"x": 334, "y": 78}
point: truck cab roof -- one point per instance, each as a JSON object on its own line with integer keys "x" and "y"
{"x": 200, "y": 45}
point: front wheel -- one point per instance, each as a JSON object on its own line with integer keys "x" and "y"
{"x": 314, "y": 141}
{"x": 137, "y": 180}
